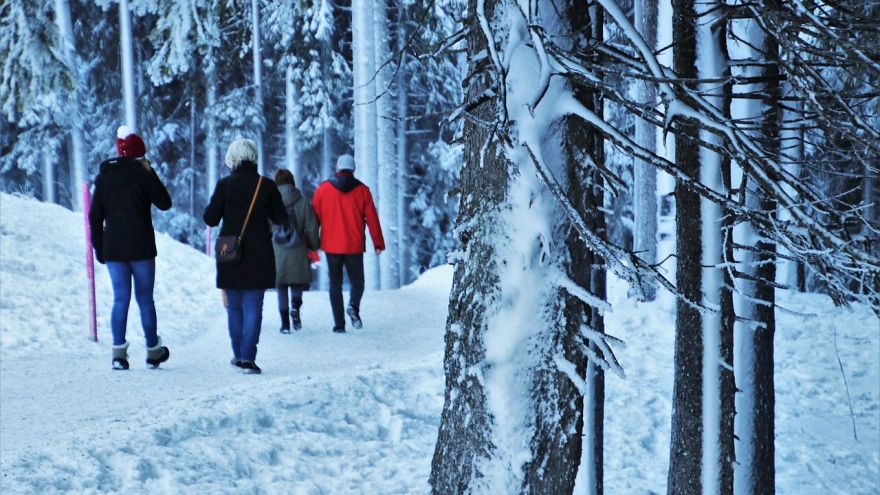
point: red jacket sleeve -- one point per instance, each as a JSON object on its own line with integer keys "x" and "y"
{"x": 372, "y": 219}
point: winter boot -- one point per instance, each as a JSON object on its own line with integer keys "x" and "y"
{"x": 297, "y": 322}
{"x": 338, "y": 329}
{"x": 120, "y": 357}
{"x": 250, "y": 368}
{"x": 157, "y": 355}
{"x": 355, "y": 317}
{"x": 285, "y": 322}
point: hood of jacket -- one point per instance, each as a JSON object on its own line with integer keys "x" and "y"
{"x": 344, "y": 182}
{"x": 120, "y": 172}
{"x": 289, "y": 194}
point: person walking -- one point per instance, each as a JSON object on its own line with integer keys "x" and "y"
{"x": 293, "y": 268}
{"x": 245, "y": 202}
{"x": 344, "y": 206}
{"x": 121, "y": 224}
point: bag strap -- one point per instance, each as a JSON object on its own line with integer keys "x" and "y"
{"x": 250, "y": 208}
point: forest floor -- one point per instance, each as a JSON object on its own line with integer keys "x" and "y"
{"x": 352, "y": 413}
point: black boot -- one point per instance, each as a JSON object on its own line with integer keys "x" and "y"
{"x": 157, "y": 355}
{"x": 285, "y": 322}
{"x": 297, "y": 322}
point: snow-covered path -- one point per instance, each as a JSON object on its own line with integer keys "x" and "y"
{"x": 198, "y": 396}
{"x": 347, "y": 414}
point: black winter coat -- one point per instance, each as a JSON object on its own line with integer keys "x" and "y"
{"x": 120, "y": 218}
{"x": 230, "y": 201}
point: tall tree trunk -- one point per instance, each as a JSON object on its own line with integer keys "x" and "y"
{"x": 291, "y": 149}
{"x": 258, "y": 81}
{"x": 685, "y": 473}
{"x": 211, "y": 138}
{"x": 192, "y": 151}
{"x": 718, "y": 393}
{"x": 78, "y": 169}
{"x": 365, "y": 145}
{"x": 127, "y": 52}
{"x": 402, "y": 165}
{"x": 49, "y": 176}
{"x": 645, "y": 195}
{"x": 756, "y": 404}
{"x": 515, "y": 357}
{"x": 790, "y": 156}
{"x": 387, "y": 183}
{"x": 464, "y": 439}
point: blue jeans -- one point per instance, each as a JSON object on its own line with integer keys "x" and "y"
{"x": 144, "y": 274}
{"x": 244, "y": 313}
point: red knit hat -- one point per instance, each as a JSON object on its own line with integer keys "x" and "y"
{"x": 129, "y": 144}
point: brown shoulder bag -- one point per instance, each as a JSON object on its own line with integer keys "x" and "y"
{"x": 228, "y": 248}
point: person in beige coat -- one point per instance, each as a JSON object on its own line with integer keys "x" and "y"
{"x": 293, "y": 269}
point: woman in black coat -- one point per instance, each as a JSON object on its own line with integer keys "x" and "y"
{"x": 121, "y": 225}
{"x": 245, "y": 282}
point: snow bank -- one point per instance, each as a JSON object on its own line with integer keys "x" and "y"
{"x": 43, "y": 298}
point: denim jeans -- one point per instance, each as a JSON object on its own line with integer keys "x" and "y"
{"x": 144, "y": 274}
{"x": 354, "y": 265}
{"x": 244, "y": 313}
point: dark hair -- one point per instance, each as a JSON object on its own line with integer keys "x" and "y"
{"x": 283, "y": 176}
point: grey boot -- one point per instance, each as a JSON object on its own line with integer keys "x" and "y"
{"x": 120, "y": 357}
{"x": 157, "y": 355}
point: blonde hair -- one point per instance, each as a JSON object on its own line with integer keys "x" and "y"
{"x": 240, "y": 150}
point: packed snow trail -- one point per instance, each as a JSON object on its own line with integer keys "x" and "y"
{"x": 346, "y": 414}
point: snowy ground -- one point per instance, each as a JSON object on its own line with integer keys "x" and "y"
{"x": 354, "y": 413}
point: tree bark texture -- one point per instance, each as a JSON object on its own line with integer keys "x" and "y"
{"x": 686, "y": 451}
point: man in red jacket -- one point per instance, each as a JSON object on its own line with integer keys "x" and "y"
{"x": 344, "y": 206}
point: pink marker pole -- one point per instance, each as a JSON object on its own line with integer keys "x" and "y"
{"x": 90, "y": 263}
{"x": 208, "y": 241}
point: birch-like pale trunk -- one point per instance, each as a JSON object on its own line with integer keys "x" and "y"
{"x": 49, "y": 177}
{"x": 127, "y": 52}
{"x": 211, "y": 138}
{"x": 755, "y": 420}
{"x": 385, "y": 152}
{"x": 365, "y": 145}
{"x": 258, "y": 80}
{"x": 402, "y": 164}
{"x": 712, "y": 64}
{"x": 78, "y": 174}
{"x": 291, "y": 148}
{"x": 645, "y": 194}
{"x": 790, "y": 140}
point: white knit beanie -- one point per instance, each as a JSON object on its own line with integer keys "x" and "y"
{"x": 240, "y": 150}
{"x": 344, "y": 162}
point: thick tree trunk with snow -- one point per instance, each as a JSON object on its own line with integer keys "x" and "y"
{"x": 464, "y": 438}
{"x": 127, "y": 52}
{"x": 365, "y": 145}
{"x": 258, "y": 81}
{"x": 645, "y": 194}
{"x": 686, "y": 451}
{"x": 78, "y": 169}
{"x": 386, "y": 190}
{"x": 49, "y": 177}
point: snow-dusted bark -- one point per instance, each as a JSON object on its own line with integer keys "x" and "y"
{"x": 712, "y": 64}
{"x": 686, "y": 450}
{"x": 258, "y": 80}
{"x": 127, "y": 53}
{"x": 386, "y": 189}
{"x": 791, "y": 158}
{"x": 515, "y": 357}
{"x": 365, "y": 137}
{"x": 402, "y": 165}
{"x": 79, "y": 173}
{"x": 755, "y": 422}
{"x": 645, "y": 174}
